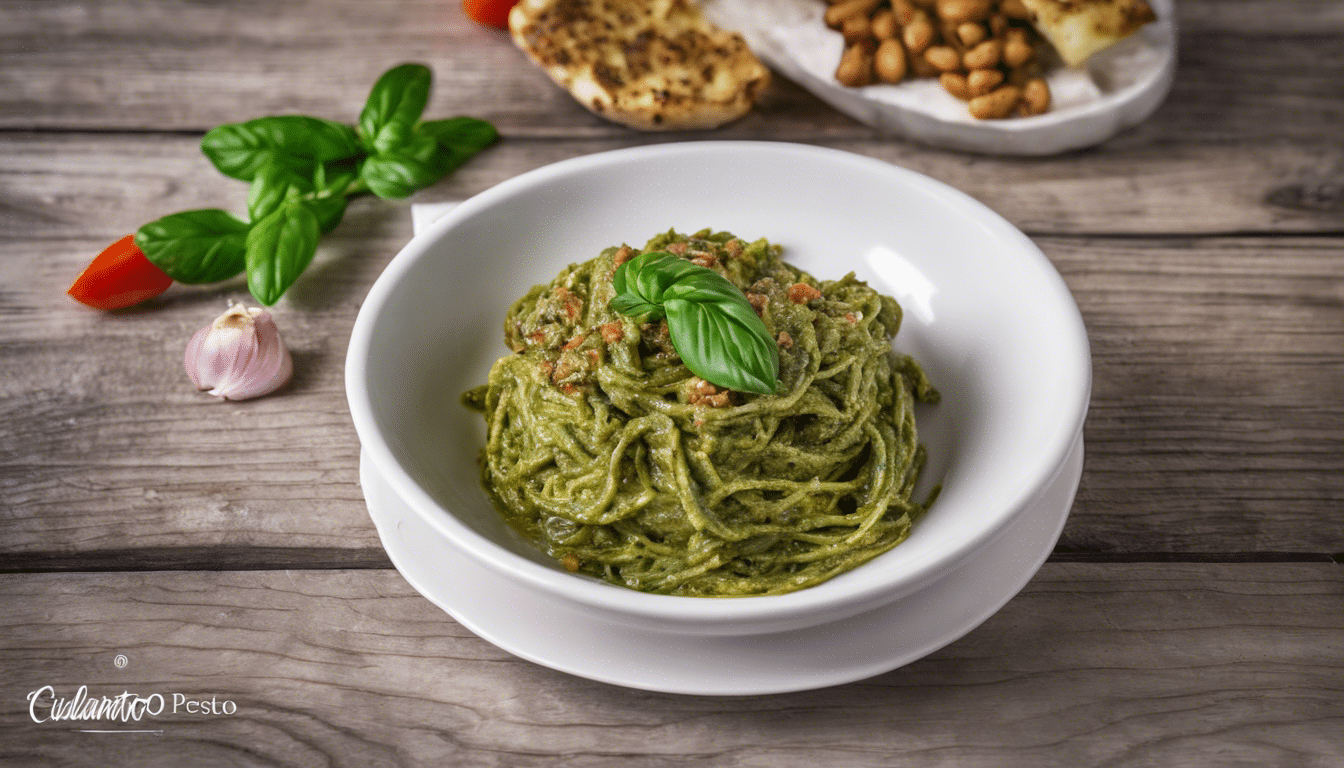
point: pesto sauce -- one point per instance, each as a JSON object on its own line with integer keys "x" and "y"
{"x": 617, "y": 461}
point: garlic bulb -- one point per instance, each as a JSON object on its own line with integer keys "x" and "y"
{"x": 239, "y": 355}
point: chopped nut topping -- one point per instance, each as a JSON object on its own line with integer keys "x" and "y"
{"x": 563, "y": 369}
{"x": 702, "y": 392}
{"x": 611, "y": 332}
{"x": 785, "y": 340}
{"x": 571, "y": 562}
{"x": 572, "y": 305}
{"x": 801, "y": 293}
{"x": 758, "y": 301}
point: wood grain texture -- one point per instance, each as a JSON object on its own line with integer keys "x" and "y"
{"x": 1214, "y": 427}
{"x": 1217, "y": 404}
{"x": 174, "y": 65}
{"x": 1116, "y": 665}
{"x": 85, "y": 185}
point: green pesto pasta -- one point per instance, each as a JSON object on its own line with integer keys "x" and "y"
{"x": 620, "y": 463}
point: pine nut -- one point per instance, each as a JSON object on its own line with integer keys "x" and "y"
{"x": 943, "y": 57}
{"x": 1036, "y": 96}
{"x": 856, "y": 66}
{"x": 970, "y": 34}
{"x": 982, "y": 81}
{"x": 918, "y": 35}
{"x": 984, "y": 56}
{"x": 884, "y": 25}
{"x": 996, "y": 104}
{"x": 958, "y": 11}
{"x": 856, "y": 28}
{"x": 1017, "y": 52}
{"x": 955, "y": 84}
{"x": 890, "y": 61}
{"x": 838, "y": 13}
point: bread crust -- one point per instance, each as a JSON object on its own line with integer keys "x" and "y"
{"x": 653, "y": 65}
{"x": 1080, "y": 28}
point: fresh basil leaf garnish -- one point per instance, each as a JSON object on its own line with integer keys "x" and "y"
{"x": 202, "y": 246}
{"x": 713, "y": 327}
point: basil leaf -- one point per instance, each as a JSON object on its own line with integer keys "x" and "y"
{"x": 394, "y": 106}
{"x": 648, "y": 275}
{"x": 279, "y": 248}
{"x": 460, "y": 137}
{"x": 634, "y": 306}
{"x": 720, "y": 345}
{"x": 239, "y": 150}
{"x": 335, "y": 177}
{"x": 274, "y": 184}
{"x": 714, "y": 328}
{"x": 416, "y": 165}
{"x": 203, "y": 246}
{"x": 328, "y": 210}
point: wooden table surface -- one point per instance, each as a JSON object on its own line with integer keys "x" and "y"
{"x": 1192, "y": 614}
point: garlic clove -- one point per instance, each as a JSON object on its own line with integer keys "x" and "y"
{"x": 239, "y": 356}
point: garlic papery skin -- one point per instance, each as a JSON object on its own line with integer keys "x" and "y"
{"x": 239, "y": 356}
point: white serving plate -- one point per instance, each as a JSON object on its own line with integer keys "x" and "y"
{"x": 1133, "y": 77}
{"x": 555, "y": 635}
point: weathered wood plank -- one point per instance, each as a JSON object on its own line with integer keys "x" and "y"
{"x": 170, "y": 64}
{"x": 1215, "y": 421}
{"x": 86, "y": 185}
{"x": 1117, "y": 665}
{"x": 1216, "y": 410}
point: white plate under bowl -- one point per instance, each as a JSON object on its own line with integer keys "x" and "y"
{"x": 555, "y": 635}
{"x": 1134, "y": 77}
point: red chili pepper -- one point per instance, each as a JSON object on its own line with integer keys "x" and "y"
{"x": 119, "y": 277}
{"x": 492, "y": 13}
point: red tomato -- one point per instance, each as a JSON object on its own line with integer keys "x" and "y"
{"x": 492, "y": 13}
{"x": 119, "y": 277}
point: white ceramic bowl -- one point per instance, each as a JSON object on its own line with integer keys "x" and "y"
{"x": 986, "y": 315}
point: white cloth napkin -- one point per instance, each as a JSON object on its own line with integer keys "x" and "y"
{"x": 424, "y": 214}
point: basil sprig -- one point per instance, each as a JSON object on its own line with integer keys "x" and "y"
{"x": 303, "y": 171}
{"x": 713, "y": 327}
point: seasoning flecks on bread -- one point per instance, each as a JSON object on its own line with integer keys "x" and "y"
{"x": 649, "y": 64}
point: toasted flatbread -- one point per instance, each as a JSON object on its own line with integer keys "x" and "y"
{"x": 1080, "y": 28}
{"x": 654, "y": 65}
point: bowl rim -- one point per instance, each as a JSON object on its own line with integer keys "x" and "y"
{"x": 616, "y": 600}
